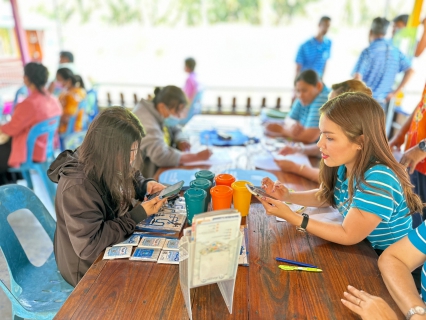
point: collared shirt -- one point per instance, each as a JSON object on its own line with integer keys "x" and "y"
{"x": 418, "y": 238}
{"x": 313, "y": 54}
{"x": 417, "y": 131}
{"x": 308, "y": 116}
{"x": 384, "y": 197}
{"x": 379, "y": 64}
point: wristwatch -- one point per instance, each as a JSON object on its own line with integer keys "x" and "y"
{"x": 302, "y": 227}
{"x": 415, "y": 310}
{"x": 422, "y": 145}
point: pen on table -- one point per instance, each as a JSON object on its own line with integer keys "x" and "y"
{"x": 301, "y": 264}
{"x": 301, "y": 209}
{"x": 290, "y": 268}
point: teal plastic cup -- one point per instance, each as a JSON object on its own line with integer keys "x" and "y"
{"x": 204, "y": 184}
{"x": 194, "y": 199}
{"x": 205, "y": 174}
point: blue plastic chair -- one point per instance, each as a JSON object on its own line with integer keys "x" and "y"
{"x": 195, "y": 108}
{"x": 21, "y": 92}
{"x": 48, "y": 127}
{"x": 92, "y": 109}
{"x": 35, "y": 292}
{"x": 74, "y": 140}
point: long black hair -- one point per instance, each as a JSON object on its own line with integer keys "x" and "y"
{"x": 171, "y": 96}
{"x": 67, "y": 74}
{"x": 37, "y": 74}
{"x": 105, "y": 153}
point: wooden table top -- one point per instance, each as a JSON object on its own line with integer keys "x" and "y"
{"x": 123, "y": 289}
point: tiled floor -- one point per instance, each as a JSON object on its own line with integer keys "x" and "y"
{"x": 27, "y": 230}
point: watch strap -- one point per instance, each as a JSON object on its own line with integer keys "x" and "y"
{"x": 422, "y": 145}
{"x": 304, "y": 224}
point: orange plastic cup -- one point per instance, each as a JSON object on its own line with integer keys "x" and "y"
{"x": 242, "y": 197}
{"x": 224, "y": 179}
{"x": 221, "y": 197}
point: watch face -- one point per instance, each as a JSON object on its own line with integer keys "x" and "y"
{"x": 419, "y": 310}
{"x": 422, "y": 145}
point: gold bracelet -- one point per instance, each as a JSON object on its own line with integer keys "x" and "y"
{"x": 301, "y": 167}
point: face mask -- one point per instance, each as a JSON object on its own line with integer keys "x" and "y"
{"x": 171, "y": 121}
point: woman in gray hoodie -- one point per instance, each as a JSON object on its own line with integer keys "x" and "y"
{"x": 100, "y": 196}
{"x": 164, "y": 144}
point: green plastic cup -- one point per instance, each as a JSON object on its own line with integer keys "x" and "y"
{"x": 194, "y": 199}
{"x": 205, "y": 174}
{"x": 204, "y": 184}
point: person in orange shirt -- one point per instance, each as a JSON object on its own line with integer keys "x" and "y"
{"x": 414, "y": 157}
{"x": 73, "y": 94}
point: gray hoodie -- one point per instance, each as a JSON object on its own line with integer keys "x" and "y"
{"x": 154, "y": 150}
{"x": 86, "y": 221}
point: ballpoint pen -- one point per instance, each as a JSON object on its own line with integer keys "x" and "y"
{"x": 301, "y": 209}
{"x": 291, "y": 268}
{"x": 297, "y": 263}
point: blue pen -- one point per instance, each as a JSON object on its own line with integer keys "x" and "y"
{"x": 296, "y": 263}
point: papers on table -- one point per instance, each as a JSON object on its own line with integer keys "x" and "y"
{"x": 266, "y": 161}
{"x": 219, "y": 157}
{"x": 326, "y": 214}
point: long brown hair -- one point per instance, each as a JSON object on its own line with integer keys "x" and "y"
{"x": 352, "y": 85}
{"x": 105, "y": 154}
{"x": 363, "y": 121}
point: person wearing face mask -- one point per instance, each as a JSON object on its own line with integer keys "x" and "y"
{"x": 165, "y": 145}
{"x": 40, "y": 105}
{"x": 100, "y": 196}
{"x": 301, "y": 125}
{"x": 379, "y": 64}
{"x": 70, "y": 98}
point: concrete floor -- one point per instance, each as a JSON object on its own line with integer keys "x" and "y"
{"x": 27, "y": 230}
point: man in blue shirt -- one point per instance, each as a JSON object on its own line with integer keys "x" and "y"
{"x": 301, "y": 125}
{"x": 379, "y": 64}
{"x": 314, "y": 53}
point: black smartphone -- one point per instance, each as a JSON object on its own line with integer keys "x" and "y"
{"x": 259, "y": 192}
{"x": 170, "y": 191}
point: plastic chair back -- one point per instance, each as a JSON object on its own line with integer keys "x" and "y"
{"x": 92, "y": 109}
{"x": 194, "y": 109}
{"x": 74, "y": 140}
{"x": 82, "y": 106}
{"x": 36, "y": 292}
{"x": 48, "y": 127}
{"x": 22, "y": 92}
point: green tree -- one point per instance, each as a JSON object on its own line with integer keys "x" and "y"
{"x": 289, "y": 8}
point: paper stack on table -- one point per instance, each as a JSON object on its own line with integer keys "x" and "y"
{"x": 266, "y": 161}
{"x": 328, "y": 214}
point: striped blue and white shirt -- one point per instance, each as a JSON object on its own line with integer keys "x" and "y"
{"x": 418, "y": 238}
{"x": 388, "y": 202}
{"x": 313, "y": 54}
{"x": 308, "y": 116}
{"x": 379, "y": 64}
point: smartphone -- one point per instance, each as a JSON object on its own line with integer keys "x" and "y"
{"x": 170, "y": 191}
{"x": 259, "y": 192}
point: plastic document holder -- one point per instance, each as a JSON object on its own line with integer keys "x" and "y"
{"x": 206, "y": 263}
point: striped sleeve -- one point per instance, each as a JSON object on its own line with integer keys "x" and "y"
{"x": 404, "y": 63}
{"x": 295, "y": 110}
{"x": 300, "y": 57}
{"x": 418, "y": 237}
{"x": 379, "y": 201}
{"x": 362, "y": 64}
{"x": 312, "y": 119}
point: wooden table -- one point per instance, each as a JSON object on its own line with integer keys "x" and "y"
{"x": 123, "y": 289}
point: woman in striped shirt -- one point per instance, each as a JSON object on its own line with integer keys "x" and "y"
{"x": 358, "y": 175}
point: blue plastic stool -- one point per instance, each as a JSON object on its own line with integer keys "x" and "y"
{"x": 48, "y": 127}
{"x": 36, "y": 292}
